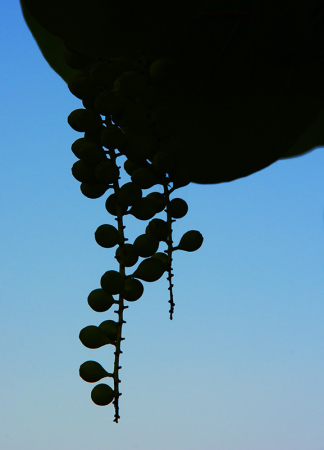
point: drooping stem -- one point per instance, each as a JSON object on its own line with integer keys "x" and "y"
{"x": 121, "y": 306}
{"x": 169, "y": 250}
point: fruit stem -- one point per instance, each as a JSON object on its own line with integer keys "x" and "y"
{"x": 121, "y": 306}
{"x": 169, "y": 250}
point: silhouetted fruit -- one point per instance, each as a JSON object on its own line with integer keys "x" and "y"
{"x": 159, "y": 228}
{"x": 72, "y": 119}
{"x": 146, "y": 245}
{"x": 102, "y": 394}
{"x": 131, "y": 83}
{"x": 107, "y": 171}
{"x": 88, "y": 104}
{"x": 158, "y": 199}
{"x": 144, "y": 209}
{"x": 135, "y": 114}
{"x": 133, "y": 290}
{"x": 111, "y": 205}
{"x": 129, "y": 166}
{"x": 162, "y": 257}
{"x": 93, "y": 190}
{"x": 130, "y": 256}
{"x": 107, "y": 236}
{"x": 84, "y": 120}
{"x": 100, "y": 301}
{"x": 180, "y": 177}
{"x": 144, "y": 177}
{"x": 150, "y": 269}
{"x": 93, "y": 136}
{"x": 112, "y": 282}
{"x": 93, "y": 337}
{"x": 109, "y": 103}
{"x": 140, "y": 147}
{"x": 102, "y": 75}
{"x": 120, "y": 64}
{"x": 178, "y": 208}
{"x": 191, "y": 241}
{"x": 163, "y": 70}
{"x": 82, "y": 87}
{"x": 110, "y": 328}
{"x": 129, "y": 194}
{"x": 91, "y": 153}
{"x": 91, "y": 371}
{"x": 112, "y": 137}
{"x": 105, "y": 103}
{"x": 83, "y": 172}
{"x": 76, "y": 146}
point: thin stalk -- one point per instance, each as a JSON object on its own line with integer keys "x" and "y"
{"x": 121, "y": 306}
{"x": 169, "y": 250}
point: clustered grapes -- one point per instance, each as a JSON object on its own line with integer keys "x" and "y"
{"x": 125, "y": 113}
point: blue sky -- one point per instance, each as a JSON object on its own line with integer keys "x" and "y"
{"x": 241, "y": 365}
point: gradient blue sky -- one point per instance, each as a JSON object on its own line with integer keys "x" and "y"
{"x": 241, "y": 366}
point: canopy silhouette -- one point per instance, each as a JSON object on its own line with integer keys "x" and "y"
{"x": 249, "y": 85}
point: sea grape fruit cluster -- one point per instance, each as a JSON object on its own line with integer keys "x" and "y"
{"x": 127, "y": 113}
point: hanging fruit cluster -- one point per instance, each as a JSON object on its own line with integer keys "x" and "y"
{"x": 128, "y": 110}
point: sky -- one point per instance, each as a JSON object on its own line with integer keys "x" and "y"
{"x": 241, "y": 365}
